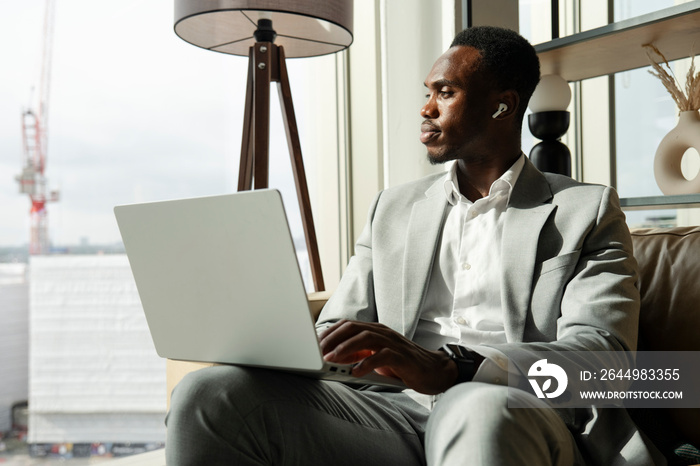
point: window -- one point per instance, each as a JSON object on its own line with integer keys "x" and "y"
{"x": 136, "y": 114}
{"x": 644, "y": 114}
{"x": 536, "y": 27}
{"x": 618, "y": 120}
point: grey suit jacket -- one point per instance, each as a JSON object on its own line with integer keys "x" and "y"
{"x": 568, "y": 281}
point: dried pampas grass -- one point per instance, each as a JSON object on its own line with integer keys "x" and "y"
{"x": 688, "y": 101}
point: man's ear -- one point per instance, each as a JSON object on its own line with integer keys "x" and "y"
{"x": 508, "y": 102}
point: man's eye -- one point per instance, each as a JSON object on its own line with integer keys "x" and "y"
{"x": 442, "y": 94}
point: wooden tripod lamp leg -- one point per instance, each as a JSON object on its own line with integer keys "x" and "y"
{"x": 245, "y": 170}
{"x": 266, "y": 63}
{"x": 290, "y": 124}
{"x": 263, "y": 53}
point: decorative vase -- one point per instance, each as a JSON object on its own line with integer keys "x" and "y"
{"x": 550, "y": 155}
{"x": 667, "y": 161}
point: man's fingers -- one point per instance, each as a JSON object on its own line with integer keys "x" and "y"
{"x": 347, "y": 358}
{"x": 381, "y": 361}
{"x": 331, "y": 337}
{"x": 353, "y": 349}
{"x": 331, "y": 329}
{"x": 347, "y": 337}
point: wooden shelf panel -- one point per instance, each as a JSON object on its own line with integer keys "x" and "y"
{"x": 618, "y": 46}
{"x": 680, "y": 201}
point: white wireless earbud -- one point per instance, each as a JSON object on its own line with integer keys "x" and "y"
{"x": 501, "y": 108}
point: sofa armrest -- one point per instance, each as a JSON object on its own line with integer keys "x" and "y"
{"x": 317, "y": 300}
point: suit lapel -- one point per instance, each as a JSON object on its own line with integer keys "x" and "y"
{"x": 528, "y": 210}
{"x": 424, "y": 228}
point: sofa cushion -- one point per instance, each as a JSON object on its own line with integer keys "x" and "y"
{"x": 669, "y": 283}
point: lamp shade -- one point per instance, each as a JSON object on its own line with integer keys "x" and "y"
{"x": 552, "y": 93}
{"x": 305, "y": 28}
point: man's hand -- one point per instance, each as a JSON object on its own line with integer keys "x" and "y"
{"x": 376, "y": 347}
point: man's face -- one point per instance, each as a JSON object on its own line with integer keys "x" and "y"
{"x": 459, "y": 107}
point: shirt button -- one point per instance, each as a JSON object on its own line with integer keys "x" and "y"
{"x": 461, "y": 320}
{"x": 473, "y": 213}
{"x": 466, "y": 266}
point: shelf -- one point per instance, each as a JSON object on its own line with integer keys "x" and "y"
{"x": 618, "y": 46}
{"x": 680, "y": 201}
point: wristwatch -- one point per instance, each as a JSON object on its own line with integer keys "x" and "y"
{"x": 467, "y": 361}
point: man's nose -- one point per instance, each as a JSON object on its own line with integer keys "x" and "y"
{"x": 429, "y": 110}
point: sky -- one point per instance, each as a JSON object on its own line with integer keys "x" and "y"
{"x": 135, "y": 114}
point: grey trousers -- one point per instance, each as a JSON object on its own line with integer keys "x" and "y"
{"x": 227, "y": 415}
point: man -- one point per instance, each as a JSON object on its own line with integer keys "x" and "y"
{"x": 494, "y": 257}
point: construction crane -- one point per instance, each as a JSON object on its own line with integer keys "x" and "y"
{"x": 35, "y": 129}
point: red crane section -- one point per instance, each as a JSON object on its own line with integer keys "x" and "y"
{"x": 34, "y": 147}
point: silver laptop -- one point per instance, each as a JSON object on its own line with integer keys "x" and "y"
{"x": 219, "y": 282}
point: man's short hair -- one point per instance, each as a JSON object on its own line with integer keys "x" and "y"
{"x": 507, "y": 58}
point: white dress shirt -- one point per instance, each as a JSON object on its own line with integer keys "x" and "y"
{"x": 463, "y": 301}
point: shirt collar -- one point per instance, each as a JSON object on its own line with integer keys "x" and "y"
{"x": 503, "y": 184}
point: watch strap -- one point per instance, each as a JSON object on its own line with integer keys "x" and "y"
{"x": 467, "y": 361}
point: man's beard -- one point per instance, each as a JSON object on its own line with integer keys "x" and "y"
{"x": 434, "y": 161}
{"x": 442, "y": 158}
{"x": 454, "y": 154}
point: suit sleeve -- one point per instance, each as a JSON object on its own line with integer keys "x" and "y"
{"x": 354, "y": 297}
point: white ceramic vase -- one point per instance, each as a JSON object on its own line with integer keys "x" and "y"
{"x": 667, "y": 161}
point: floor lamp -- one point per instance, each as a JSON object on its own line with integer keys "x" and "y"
{"x": 268, "y": 32}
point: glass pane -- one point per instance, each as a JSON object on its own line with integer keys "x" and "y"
{"x": 625, "y": 9}
{"x": 535, "y": 20}
{"x": 645, "y": 113}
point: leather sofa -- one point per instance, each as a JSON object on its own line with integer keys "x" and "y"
{"x": 669, "y": 283}
{"x": 669, "y": 263}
